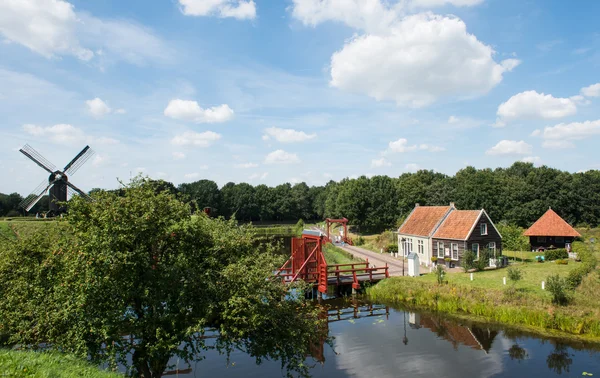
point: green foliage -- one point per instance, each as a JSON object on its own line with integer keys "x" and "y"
{"x": 588, "y": 264}
{"x": 562, "y": 261}
{"x": 392, "y": 248}
{"x": 299, "y": 227}
{"x": 484, "y": 259}
{"x": 559, "y": 288}
{"x": 514, "y": 274}
{"x": 512, "y": 237}
{"x": 468, "y": 260}
{"x": 137, "y": 264}
{"x": 440, "y": 274}
{"x": 554, "y": 254}
{"x": 23, "y": 364}
{"x": 359, "y": 241}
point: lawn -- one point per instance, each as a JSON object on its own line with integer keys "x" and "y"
{"x": 9, "y": 229}
{"x": 46, "y": 365}
{"x": 532, "y": 276}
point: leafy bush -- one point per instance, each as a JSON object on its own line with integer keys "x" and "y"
{"x": 555, "y": 254}
{"x": 392, "y": 248}
{"x": 559, "y": 289}
{"x": 562, "y": 261}
{"x": 359, "y": 241}
{"x": 484, "y": 260}
{"x": 440, "y": 274}
{"x": 588, "y": 264}
{"x": 434, "y": 259}
{"x": 514, "y": 274}
{"x": 299, "y": 227}
{"x": 468, "y": 261}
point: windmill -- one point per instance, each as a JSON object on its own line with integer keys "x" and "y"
{"x": 57, "y": 182}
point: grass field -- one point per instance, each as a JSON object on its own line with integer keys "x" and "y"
{"x": 335, "y": 255}
{"x": 13, "y": 228}
{"x": 47, "y": 365}
{"x": 532, "y": 276}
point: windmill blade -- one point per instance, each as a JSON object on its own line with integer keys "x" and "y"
{"x": 31, "y": 203}
{"x": 78, "y": 161}
{"x": 79, "y": 191}
{"x": 34, "y": 193}
{"x": 37, "y": 158}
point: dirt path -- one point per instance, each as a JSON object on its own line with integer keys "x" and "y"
{"x": 378, "y": 259}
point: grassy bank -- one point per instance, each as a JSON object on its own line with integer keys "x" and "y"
{"x": 42, "y": 365}
{"x": 524, "y": 306}
{"x": 335, "y": 255}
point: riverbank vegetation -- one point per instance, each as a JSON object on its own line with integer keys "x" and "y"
{"x": 21, "y": 364}
{"x": 335, "y": 255}
{"x": 135, "y": 263}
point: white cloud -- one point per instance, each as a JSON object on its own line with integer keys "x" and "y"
{"x": 281, "y": 157}
{"x": 287, "y": 135}
{"x": 191, "y": 176}
{"x": 65, "y": 134}
{"x": 97, "y": 107}
{"x": 177, "y": 155}
{"x": 571, "y": 131}
{"x": 265, "y": 138}
{"x": 239, "y": 9}
{"x": 47, "y": 27}
{"x": 412, "y": 167}
{"x": 558, "y": 144}
{"x": 532, "y": 159}
{"x": 439, "y": 3}
{"x": 510, "y": 147}
{"x": 255, "y": 176}
{"x": 419, "y": 60}
{"x": 591, "y": 91}
{"x": 246, "y": 165}
{"x": 190, "y": 111}
{"x": 401, "y": 145}
{"x": 99, "y": 160}
{"x": 377, "y": 163}
{"x": 453, "y": 120}
{"x": 534, "y": 105}
{"x": 121, "y": 111}
{"x": 52, "y": 28}
{"x": 191, "y": 138}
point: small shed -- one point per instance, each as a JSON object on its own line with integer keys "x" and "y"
{"x": 413, "y": 264}
{"x": 550, "y": 232}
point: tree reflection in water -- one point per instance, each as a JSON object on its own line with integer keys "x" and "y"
{"x": 517, "y": 352}
{"x": 560, "y": 359}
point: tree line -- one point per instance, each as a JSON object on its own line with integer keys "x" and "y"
{"x": 518, "y": 195}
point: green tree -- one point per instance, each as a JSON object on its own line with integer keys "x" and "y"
{"x": 201, "y": 194}
{"x": 139, "y": 265}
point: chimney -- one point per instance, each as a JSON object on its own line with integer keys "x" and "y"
{"x": 452, "y": 205}
{"x": 417, "y": 204}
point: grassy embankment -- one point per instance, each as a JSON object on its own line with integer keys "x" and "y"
{"x": 522, "y": 304}
{"x": 34, "y": 364}
{"x": 335, "y": 255}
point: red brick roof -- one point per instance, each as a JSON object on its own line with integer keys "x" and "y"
{"x": 458, "y": 224}
{"x": 423, "y": 220}
{"x": 551, "y": 224}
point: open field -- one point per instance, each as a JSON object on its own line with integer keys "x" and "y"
{"x": 10, "y": 229}
{"x": 36, "y": 364}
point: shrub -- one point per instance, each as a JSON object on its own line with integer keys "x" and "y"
{"x": 588, "y": 264}
{"x": 555, "y": 254}
{"x": 392, "y": 248}
{"x": 484, "y": 260}
{"x": 434, "y": 259}
{"x": 440, "y": 274}
{"x": 514, "y": 274}
{"x": 468, "y": 261}
{"x": 559, "y": 289}
{"x": 299, "y": 227}
{"x": 562, "y": 261}
{"x": 360, "y": 241}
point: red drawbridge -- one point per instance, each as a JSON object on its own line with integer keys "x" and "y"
{"x": 308, "y": 264}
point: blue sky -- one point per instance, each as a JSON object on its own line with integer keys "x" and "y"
{"x": 269, "y": 91}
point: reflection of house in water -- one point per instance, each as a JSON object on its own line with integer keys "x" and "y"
{"x": 473, "y": 337}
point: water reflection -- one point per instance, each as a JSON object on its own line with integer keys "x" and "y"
{"x": 372, "y": 340}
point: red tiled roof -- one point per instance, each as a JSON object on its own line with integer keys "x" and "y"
{"x": 423, "y": 220}
{"x": 551, "y": 224}
{"x": 458, "y": 224}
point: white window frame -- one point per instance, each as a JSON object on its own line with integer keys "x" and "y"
{"x": 492, "y": 247}
{"x": 473, "y": 249}
{"x": 410, "y": 245}
{"x": 541, "y": 239}
{"x": 454, "y": 249}
{"x": 440, "y": 250}
{"x": 420, "y": 246}
{"x": 483, "y": 228}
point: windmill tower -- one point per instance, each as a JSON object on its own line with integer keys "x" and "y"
{"x": 58, "y": 181}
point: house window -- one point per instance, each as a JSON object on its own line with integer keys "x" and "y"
{"x": 541, "y": 239}
{"x": 492, "y": 248}
{"x": 410, "y": 245}
{"x": 420, "y": 246}
{"x": 455, "y": 251}
{"x": 440, "y": 253}
{"x": 560, "y": 239}
{"x": 483, "y": 227}
{"x": 475, "y": 249}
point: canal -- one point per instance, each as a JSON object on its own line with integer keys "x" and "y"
{"x": 374, "y": 340}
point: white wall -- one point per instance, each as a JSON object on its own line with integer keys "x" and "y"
{"x": 425, "y": 257}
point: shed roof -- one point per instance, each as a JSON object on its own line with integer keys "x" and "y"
{"x": 423, "y": 220}
{"x": 551, "y": 224}
{"x": 458, "y": 224}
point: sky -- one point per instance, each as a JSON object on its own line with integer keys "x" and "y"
{"x": 274, "y": 91}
